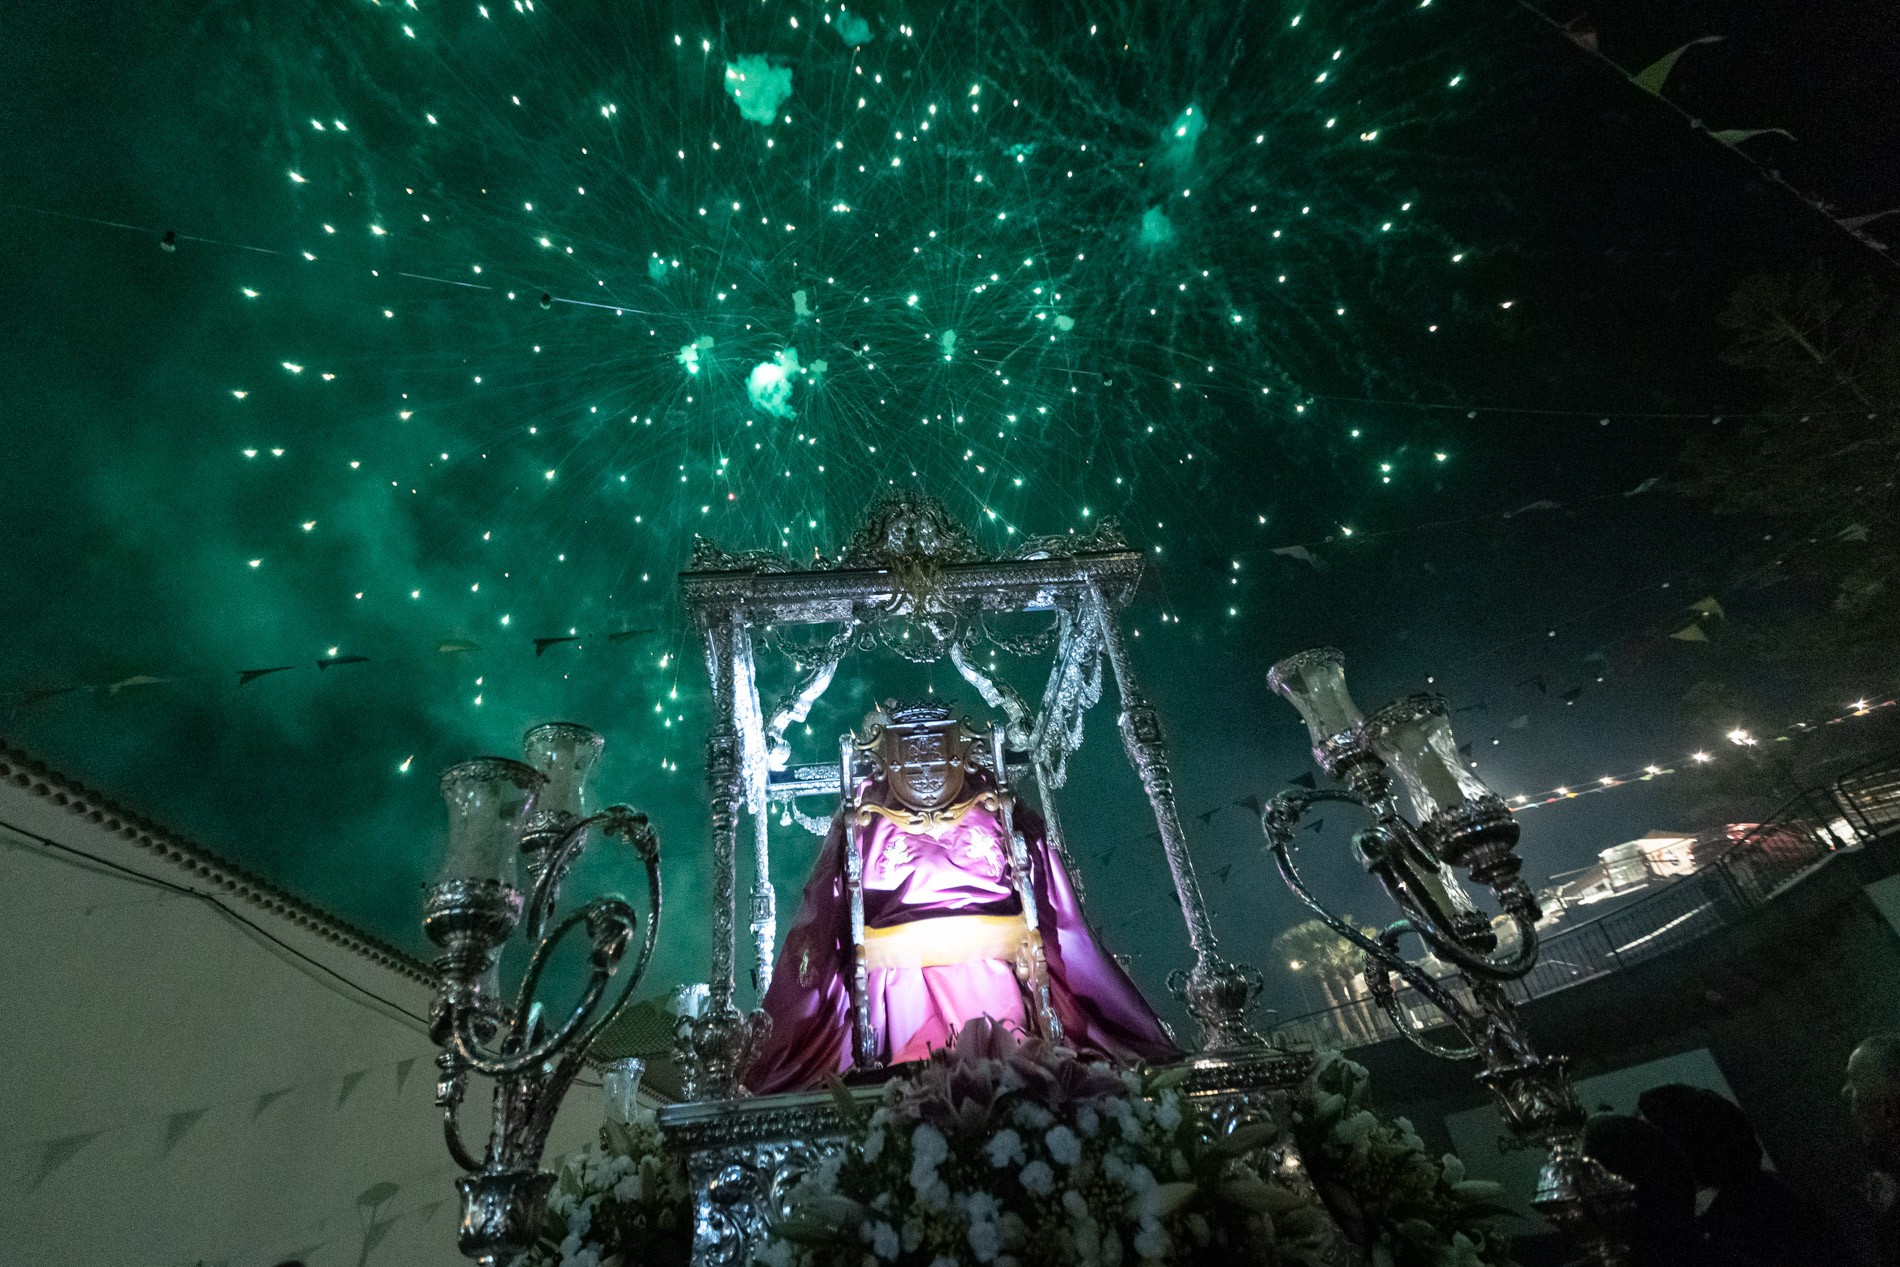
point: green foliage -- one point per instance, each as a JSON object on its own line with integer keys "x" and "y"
{"x": 1819, "y": 474}
{"x": 1312, "y": 944}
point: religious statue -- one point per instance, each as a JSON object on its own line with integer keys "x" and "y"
{"x": 935, "y": 900}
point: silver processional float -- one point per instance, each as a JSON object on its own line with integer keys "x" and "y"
{"x": 912, "y": 581}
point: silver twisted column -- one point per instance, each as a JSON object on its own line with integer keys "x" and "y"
{"x": 764, "y": 906}
{"x": 1217, "y": 992}
{"x": 722, "y": 1041}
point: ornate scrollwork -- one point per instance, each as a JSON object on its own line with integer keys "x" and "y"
{"x": 1221, "y": 996}
{"x": 1022, "y": 648}
{"x": 904, "y": 529}
{"x": 997, "y": 694}
{"x": 911, "y": 534}
{"x": 713, "y": 1050}
{"x": 921, "y": 641}
{"x": 1106, "y": 536}
{"x": 708, "y": 557}
{"x": 744, "y": 1157}
{"x": 1074, "y": 687}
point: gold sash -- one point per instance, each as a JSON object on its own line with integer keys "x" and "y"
{"x": 944, "y": 940}
{"x": 926, "y": 820}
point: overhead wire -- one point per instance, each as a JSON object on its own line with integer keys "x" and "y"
{"x": 323, "y": 973}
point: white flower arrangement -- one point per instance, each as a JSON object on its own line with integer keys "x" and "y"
{"x": 1407, "y": 1208}
{"x": 623, "y": 1203}
{"x": 1001, "y": 1153}
{"x": 1007, "y": 1153}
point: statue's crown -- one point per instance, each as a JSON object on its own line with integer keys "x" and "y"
{"x": 915, "y": 712}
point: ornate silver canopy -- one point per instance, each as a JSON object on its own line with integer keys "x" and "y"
{"x": 912, "y": 580}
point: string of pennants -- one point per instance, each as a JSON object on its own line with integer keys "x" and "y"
{"x": 1651, "y": 79}
{"x": 1303, "y": 551}
{"x": 1696, "y": 623}
{"x": 55, "y": 1153}
{"x": 367, "y": 1220}
{"x": 245, "y": 676}
{"x": 28, "y": 696}
{"x": 1255, "y": 806}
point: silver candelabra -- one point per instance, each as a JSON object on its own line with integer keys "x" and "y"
{"x": 1461, "y": 826}
{"x": 502, "y": 813}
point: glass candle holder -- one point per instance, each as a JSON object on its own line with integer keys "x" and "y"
{"x": 690, "y": 1001}
{"x": 565, "y": 753}
{"x": 490, "y": 800}
{"x": 620, "y": 1081}
{"x": 1314, "y": 682}
{"x": 1413, "y": 737}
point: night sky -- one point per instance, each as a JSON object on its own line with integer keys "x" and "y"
{"x": 1379, "y": 325}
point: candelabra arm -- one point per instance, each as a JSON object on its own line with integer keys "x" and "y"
{"x": 635, "y": 832}
{"x": 610, "y": 923}
{"x": 504, "y": 1191}
{"x": 458, "y": 1151}
{"x": 1389, "y": 1004}
{"x": 1278, "y": 822}
{"x": 557, "y": 850}
{"x": 521, "y": 1050}
{"x": 1390, "y": 847}
{"x": 449, "y": 1087}
{"x": 532, "y": 1138}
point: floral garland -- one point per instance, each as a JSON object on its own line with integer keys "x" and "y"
{"x": 621, "y": 1204}
{"x": 1002, "y": 1152}
{"x": 1386, "y": 1191}
{"x": 1005, "y": 1152}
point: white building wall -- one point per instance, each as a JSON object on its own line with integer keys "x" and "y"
{"x": 180, "y": 1090}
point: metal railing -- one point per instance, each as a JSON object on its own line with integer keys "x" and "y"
{"x": 1869, "y": 798}
{"x": 1743, "y": 873}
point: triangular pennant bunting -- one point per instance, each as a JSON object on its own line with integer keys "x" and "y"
{"x": 55, "y": 1153}
{"x": 350, "y": 1082}
{"x": 1735, "y": 136}
{"x": 1652, "y": 77}
{"x": 137, "y": 679}
{"x": 179, "y": 1125}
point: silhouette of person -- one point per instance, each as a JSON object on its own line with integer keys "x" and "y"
{"x": 1754, "y": 1212}
{"x": 1872, "y": 1092}
{"x": 1661, "y": 1229}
